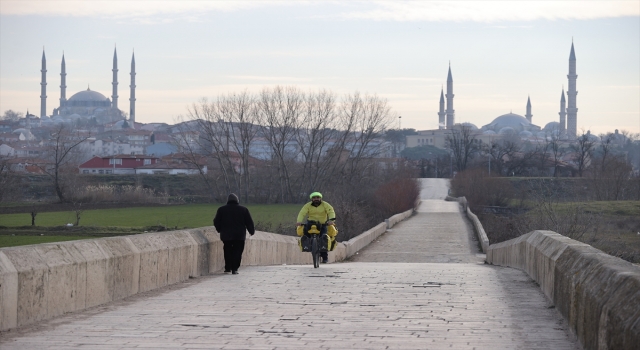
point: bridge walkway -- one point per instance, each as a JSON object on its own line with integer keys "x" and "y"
{"x": 419, "y": 286}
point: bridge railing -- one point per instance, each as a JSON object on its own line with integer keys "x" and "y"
{"x": 42, "y": 281}
{"x": 598, "y": 294}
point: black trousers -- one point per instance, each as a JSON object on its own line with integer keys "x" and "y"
{"x": 233, "y": 254}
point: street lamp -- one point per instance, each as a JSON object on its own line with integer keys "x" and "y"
{"x": 399, "y": 122}
{"x": 490, "y": 154}
{"x": 451, "y": 161}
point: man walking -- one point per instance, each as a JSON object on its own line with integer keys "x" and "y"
{"x": 233, "y": 221}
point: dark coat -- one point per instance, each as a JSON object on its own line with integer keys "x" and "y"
{"x": 232, "y": 221}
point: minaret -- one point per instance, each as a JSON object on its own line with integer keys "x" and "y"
{"x": 451, "y": 118}
{"x": 529, "y": 115}
{"x": 132, "y": 99}
{"x": 43, "y": 87}
{"x": 441, "y": 112}
{"x": 572, "y": 110}
{"x": 63, "y": 83}
{"x": 563, "y": 113}
{"x": 114, "y": 93}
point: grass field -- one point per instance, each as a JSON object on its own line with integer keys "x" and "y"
{"x": 15, "y": 229}
{"x": 616, "y": 230}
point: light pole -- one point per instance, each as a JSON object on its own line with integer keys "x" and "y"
{"x": 399, "y": 122}
{"x": 451, "y": 161}
{"x": 436, "y": 167}
{"x": 490, "y": 154}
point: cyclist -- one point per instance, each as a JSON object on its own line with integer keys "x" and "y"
{"x": 320, "y": 211}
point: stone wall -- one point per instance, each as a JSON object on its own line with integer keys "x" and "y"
{"x": 477, "y": 225}
{"x": 42, "y": 281}
{"x": 598, "y": 294}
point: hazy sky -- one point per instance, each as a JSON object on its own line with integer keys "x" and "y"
{"x": 500, "y": 53}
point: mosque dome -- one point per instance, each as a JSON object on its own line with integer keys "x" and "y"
{"x": 469, "y": 125}
{"x": 551, "y": 126}
{"x": 593, "y": 138}
{"x": 20, "y": 131}
{"x": 514, "y": 121}
{"x": 75, "y": 116}
{"x": 526, "y": 133}
{"x": 489, "y": 132}
{"x": 87, "y": 95}
{"x": 88, "y": 98}
{"x": 507, "y": 130}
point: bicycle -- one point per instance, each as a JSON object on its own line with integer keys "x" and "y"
{"x": 313, "y": 231}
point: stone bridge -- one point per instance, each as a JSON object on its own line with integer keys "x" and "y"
{"x": 418, "y": 283}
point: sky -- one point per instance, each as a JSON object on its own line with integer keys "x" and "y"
{"x": 500, "y": 53}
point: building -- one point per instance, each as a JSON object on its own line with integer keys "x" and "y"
{"x": 87, "y": 104}
{"x": 118, "y": 164}
{"x": 509, "y": 124}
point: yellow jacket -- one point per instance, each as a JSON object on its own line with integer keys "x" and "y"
{"x": 321, "y": 213}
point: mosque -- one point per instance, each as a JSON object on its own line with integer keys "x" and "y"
{"x": 506, "y": 124}
{"x": 88, "y": 104}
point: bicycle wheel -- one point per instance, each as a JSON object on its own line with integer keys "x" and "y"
{"x": 315, "y": 252}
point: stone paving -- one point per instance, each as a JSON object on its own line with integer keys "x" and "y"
{"x": 438, "y": 297}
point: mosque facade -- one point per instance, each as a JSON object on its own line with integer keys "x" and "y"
{"x": 87, "y": 104}
{"x": 506, "y": 124}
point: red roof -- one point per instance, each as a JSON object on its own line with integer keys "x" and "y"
{"x": 128, "y": 162}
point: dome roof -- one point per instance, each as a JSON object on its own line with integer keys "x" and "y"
{"x": 593, "y": 138}
{"x": 526, "y": 133}
{"x": 489, "y": 132}
{"x": 510, "y": 120}
{"x": 507, "y": 130}
{"x": 20, "y": 131}
{"x": 469, "y": 125}
{"x": 87, "y": 95}
{"x": 552, "y": 126}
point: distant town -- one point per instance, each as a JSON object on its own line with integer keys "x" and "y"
{"x": 284, "y": 129}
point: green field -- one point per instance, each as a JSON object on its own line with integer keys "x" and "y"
{"x": 15, "y": 229}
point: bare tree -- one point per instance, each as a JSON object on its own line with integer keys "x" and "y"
{"x": 34, "y": 212}
{"x": 205, "y": 120}
{"x": 583, "y": 152}
{"x": 279, "y": 110}
{"x": 569, "y": 219}
{"x": 9, "y": 180}
{"x": 503, "y": 155}
{"x": 610, "y": 177}
{"x": 314, "y": 139}
{"x": 363, "y": 119}
{"x": 60, "y": 157}
{"x": 606, "y": 145}
{"x": 240, "y": 127}
{"x": 556, "y": 151}
{"x": 77, "y": 210}
{"x": 463, "y": 145}
{"x": 11, "y": 115}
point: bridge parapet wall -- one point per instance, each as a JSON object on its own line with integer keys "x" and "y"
{"x": 42, "y": 281}
{"x": 598, "y": 294}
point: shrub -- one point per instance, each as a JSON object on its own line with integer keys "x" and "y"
{"x": 120, "y": 194}
{"x": 396, "y": 196}
{"x": 482, "y": 190}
